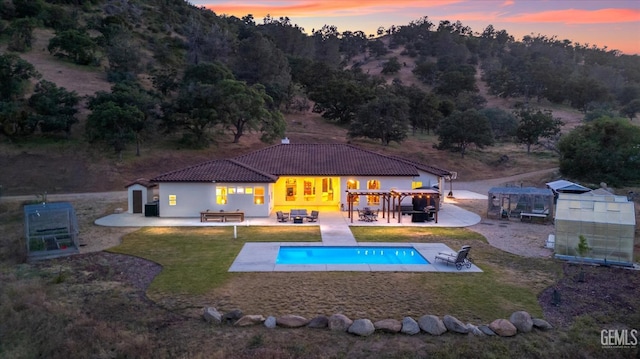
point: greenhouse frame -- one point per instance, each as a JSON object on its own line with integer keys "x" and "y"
{"x": 524, "y": 203}
{"x": 51, "y": 230}
{"x": 606, "y": 221}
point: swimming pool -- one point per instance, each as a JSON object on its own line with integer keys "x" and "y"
{"x": 349, "y": 255}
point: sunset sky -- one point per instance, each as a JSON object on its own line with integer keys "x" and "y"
{"x": 614, "y": 24}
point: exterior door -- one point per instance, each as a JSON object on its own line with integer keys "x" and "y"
{"x": 137, "y": 201}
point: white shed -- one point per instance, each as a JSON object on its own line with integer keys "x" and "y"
{"x": 606, "y": 221}
{"x": 139, "y": 193}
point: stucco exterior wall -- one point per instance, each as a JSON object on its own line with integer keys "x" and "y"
{"x": 193, "y": 198}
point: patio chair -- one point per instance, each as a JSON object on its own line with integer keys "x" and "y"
{"x": 460, "y": 259}
{"x": 281, "y": 216}
{"x": 313, "y": 216}
{"x": 362, "y": 216}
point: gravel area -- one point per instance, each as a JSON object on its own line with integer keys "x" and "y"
{"x": 525, "y": 239}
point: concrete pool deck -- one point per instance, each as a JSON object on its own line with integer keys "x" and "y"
{"x": 334, "y": 230}
{"x": 261, "y": 257}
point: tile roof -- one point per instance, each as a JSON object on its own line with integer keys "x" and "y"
{"x": 328, "y": 160}
{"x": 141, "y": 181}
{"x": 218, "y": 171}
{"x": 267, "y": 164}
{"x": 433, "y": 170}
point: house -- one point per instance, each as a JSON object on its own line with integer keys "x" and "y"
{"x": 312, "y": 176}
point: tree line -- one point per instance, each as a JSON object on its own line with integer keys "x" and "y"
{"x": 211, "y": 75}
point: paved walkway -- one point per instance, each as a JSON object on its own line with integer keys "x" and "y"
{"x": 334, "y": 229}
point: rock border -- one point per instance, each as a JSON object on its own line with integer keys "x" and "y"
{"x": 518, "y": 322}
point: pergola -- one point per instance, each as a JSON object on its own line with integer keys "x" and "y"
{"x": 392, "y": 199}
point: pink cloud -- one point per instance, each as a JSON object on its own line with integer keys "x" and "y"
{"x": 576, "y": 16}
{"x": 314, "y": 8}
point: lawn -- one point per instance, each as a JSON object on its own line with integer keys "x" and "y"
{"x": 195, "y": 263}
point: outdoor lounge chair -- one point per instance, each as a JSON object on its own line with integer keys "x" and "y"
{"x": 460, "y": 259}
{"x": 455, "y": 254}
{"x": 313, "y": 216}
{"x": 281, "y": 216}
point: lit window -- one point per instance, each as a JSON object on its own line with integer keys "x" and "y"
{"x": 373, "y": 185}
{"x": 221, "y": 195}
{"x": 309, "y": 190}
{"x": 232, "y": 190}
{"x": 172, "y": 200}
{"x": 327, "y": 189}
{"x": 353, "y": 184}
{"x": 291, "y": 189}
{"x": 258, "y": 196}
{"x": 240, "y": 190}
{"x": 415, "y": 185}
{"x": 248, "y": 190}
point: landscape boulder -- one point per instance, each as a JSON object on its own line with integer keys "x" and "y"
{"x": 362, "y": 327}
{"x": 542, "y": 324}
{"x": 320, "y": 321}
{"x": 292, "y": 321}
{"x": 454, "y": 325}
{"x": 522, "y": 321}
{"x": 474, "y": 330}
{"x": 431, "y": 324}
{"x": 503, "y": 328}
{"x": 339, "y": 322}
{"x": 211, "y": 315}
{"x": 232, "y": 316}
{"x": 270, "y": 322}
{"x": 249, "y": 320}
{"x": 388, "y": 325}
{"x": 486, "y": 330}
{"x": 410, "y": 326}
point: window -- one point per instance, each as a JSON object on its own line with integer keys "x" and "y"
{"x": 291, "y": 189}
{"x": 415, "y": 185}
{"x": 240, "y": 190}
{"x": 353, "y": 184}
{"x": 309, "y": 190}
{"x": 221, "y": 195}
{"x": 172, "y": 200}
{"x": 248, "y": 190}
{"x": 327, "y": 190}
{"x": 373, "y": 199}
{"x": 258, "y": 196}
{"x": 231, "y": 190}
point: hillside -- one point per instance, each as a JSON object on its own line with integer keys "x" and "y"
{"x": 57, "y": 165}
{"x": 61, "y": 167}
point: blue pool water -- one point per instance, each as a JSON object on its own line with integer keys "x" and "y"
{"x": 349, "y": 255}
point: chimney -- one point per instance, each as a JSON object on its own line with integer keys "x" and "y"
{"x": 285, "y": 141}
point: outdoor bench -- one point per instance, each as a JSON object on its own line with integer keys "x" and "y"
{"x": 221, "y": 216}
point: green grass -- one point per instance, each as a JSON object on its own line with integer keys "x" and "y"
{"x": 493, "y": 292}
{"x": 412, "y": 234}
{"x": 195, "y": 260}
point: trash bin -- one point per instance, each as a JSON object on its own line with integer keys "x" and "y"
{"x": 151, "y": 209}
